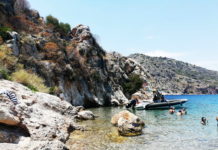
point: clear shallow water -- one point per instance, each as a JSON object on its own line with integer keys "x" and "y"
{"x": 163, "y": 131}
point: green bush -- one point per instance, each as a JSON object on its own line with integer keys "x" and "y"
{"x": 53, "y": 90}
{"x": 52, "y": 20}
{"x": 4, "y": 74}
{"x": 4, "y": 33}
{"x": 132, "y": 85}
{"x": 62, "y": 28}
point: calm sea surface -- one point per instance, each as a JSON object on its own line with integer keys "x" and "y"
{"x": 163, "y": 131}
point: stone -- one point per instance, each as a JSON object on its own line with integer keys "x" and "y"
{"x": 115, "y": 102}
{"x": 7, "y": 117}
{"x": 128, "y": 124}
{"x": 86, "y": 115}
{"x": 44, "y": 117}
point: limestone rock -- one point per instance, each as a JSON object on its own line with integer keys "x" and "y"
{"x": 86, "y": 115}
{"x": 115, "y": 102}
{"x": 42, "y": 116}
{"x": 7, "y": 117}
{"x": 128, "y": 124}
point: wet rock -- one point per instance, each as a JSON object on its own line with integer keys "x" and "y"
{"x": 115, "y": 102}
{"x": 86, "y": 115}
{"x": 128, "y": 124}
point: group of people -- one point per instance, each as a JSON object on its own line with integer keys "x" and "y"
{"x": 183, "y": 111}
{"x": 179, "y": 113}
{"x": 158, "y": 97}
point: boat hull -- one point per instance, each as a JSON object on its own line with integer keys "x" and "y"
{"x": 162, "y": 105}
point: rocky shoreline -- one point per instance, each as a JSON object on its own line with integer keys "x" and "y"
{"x": 38, "y": 121}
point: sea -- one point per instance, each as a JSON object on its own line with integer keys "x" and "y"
{"x": 163, "y": 131}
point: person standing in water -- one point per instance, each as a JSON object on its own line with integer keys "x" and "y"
{"x": 217, "y": 120}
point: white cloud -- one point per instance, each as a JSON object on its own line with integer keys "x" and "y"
{"x": 163, "y": 53}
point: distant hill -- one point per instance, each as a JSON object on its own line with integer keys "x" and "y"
{"x": 173, "y": 76}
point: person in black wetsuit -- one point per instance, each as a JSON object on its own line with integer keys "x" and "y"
{"x": 132, "y": 103}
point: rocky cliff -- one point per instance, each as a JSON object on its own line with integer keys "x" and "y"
{"x": 177, "y": 77}
{"x": 79, "y": 70}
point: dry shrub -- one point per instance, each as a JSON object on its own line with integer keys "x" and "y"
{"x": 1, "y": 40}
{"x": 21, "y": 23}
{"x": 51, "y": 46}
{"x": 6, "y": 58}
{"x": 51, "y": 49}
{"x": 30, "y": 80}
{"x": 46, "y": 34}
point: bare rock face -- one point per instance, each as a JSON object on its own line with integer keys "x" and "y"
{"x": 128, "y": 124}
{"x": 41, "y": 117}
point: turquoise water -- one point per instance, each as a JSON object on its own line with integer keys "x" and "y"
{"x": 163, "y": 131}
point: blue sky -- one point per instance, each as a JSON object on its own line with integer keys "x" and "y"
{"x": 186, "y": 30}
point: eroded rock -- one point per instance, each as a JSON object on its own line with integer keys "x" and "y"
{"x": 42, "y": 116}
{"x": 86, "y": 115}
{"x": 128, "y": 124}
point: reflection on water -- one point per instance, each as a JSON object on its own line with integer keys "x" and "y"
{"x": 162, "y": 131}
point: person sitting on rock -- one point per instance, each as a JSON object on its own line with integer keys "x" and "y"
{"x": 204, "y": 121}
{"x": 172, "y": 110}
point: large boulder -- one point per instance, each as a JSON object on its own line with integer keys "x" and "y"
{"x": 42, "y": 117}
{"x": 128, "y": 124}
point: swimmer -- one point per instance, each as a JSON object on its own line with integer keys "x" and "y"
{"x": 204, "y": 121}
{"x": 184, "y": 112}
{"x": 179, "y": 113}
{"x": 172, "y": 110}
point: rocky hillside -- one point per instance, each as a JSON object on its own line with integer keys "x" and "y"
{"x": 174, "y": 76}
{"x": 72, "y": 66}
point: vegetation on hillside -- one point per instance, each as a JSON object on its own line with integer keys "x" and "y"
{"x": 10, "y": 69}
{"x": 132, "y": 85}
{"x": 4, "y": 33}
{"x": 30, "y": 80}
{"x": 62, "y": 28}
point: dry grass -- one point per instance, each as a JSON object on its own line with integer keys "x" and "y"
{"x": 6, "y": 58}
{"x": 30, "y": 80}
